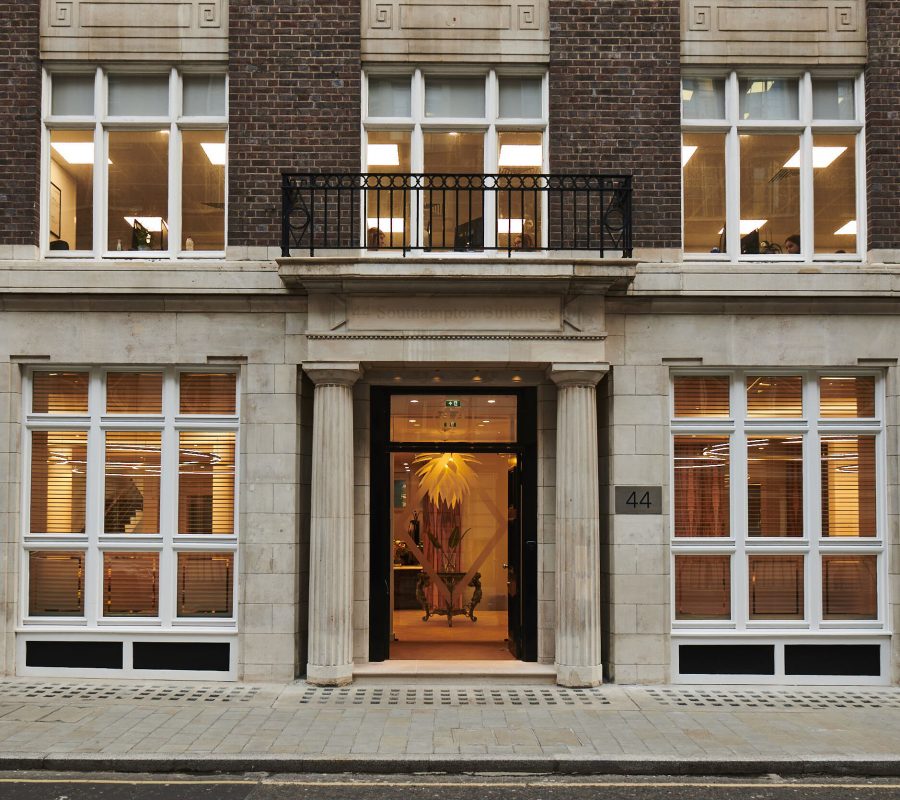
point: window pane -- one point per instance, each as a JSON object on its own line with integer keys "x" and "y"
{"x": 138, "y": 190}
{"x": 204, "y": 96}
{"x": 389, "y": 97}
{"x": 701, "y": 486}
{"x": 55, "y": 583}
{"x": 702, "y": 396}
{"x": 834, "y": 192}
{"x": 779, "y": 396}
{"x": 203, "y": 190}
{"x": 388, "y": 212}
{"x": 130, "y": 584}
{"x": 453, "y": 220}
{"x": 848, "y": 485}
{"x": 72, "y": 95}
{"x": 776, "y": 587}
{"x": 770, "y": 193}
{"x": 703, "y": 161}
{"x": 58, "y": 485}
{"x": 769, "y": 99}
{"x": 205, "y": 584}
{"x": 70, "y": 196}
{"x": 775, "y": 486}
{"x": 208, "y": 392}
{"x": 206, "y": 482}
{"x": 519, "y": 211}
{"x": 849, "y": 587}
{"x": 847, "y": 397}
{"x": 520, "y": 98}
{"x": 702, "y": 587}
{"x": 59, "y": 393}
{"x": 454, "y": 97}
{"x": 703, "y": 98}
{"x": 833, "y": 99}
{"x": 138, "y": 95}
{"x": 131, "y": 499}
{"x": 453, "y": 418}
{"x": 134, "y": 393}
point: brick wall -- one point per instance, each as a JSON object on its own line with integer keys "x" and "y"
{"x": 294, "y": 103}
{"x": 20, "y": 109}
{"x": 883, "y": 124}
{"x": 615, "y": 102}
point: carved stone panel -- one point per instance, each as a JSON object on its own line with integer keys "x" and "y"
{"x": 807, "y": 32}
{"x": 177, "y": 30}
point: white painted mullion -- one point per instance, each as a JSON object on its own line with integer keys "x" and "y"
{"x": 732, "y": 170}
{"x": 807, "y": 182}
{"x": 174, "y": 211}
{"x": 169, "y": 501}
{"x": 491, "y": 157}
{"x": 417, "y": 155}
{"x": 740, "y": 590}
{"x": 101, "y": 171}
{"x": 812, "y": 503}
{"x": 95, "y": 487}
{"x": 862, "y": 228}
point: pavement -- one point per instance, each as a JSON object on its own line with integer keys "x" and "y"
{"x": 421, "y": 726}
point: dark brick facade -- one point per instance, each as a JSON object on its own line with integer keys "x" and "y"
{"x": 294, "y": 103}
{"x": 20, "y": 122}
{"x": 883, "y": 124}
{"x": 615, "y": 102}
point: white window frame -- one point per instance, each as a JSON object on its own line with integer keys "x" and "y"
{"x": 805, "y": 127}
{"x": 739, "y": 545}
{"x": 491, "y": 124}
{"x": 102, "y": 124}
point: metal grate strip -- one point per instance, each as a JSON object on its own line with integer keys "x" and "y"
{"x": 773, "y": 699}
{"x": 452, "y": 696}
{"x": 10, "y": 690}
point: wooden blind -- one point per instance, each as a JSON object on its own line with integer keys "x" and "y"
{"x": 205, "y": 584}
{"x": 130, "y": 584}
{"x": 848, "y": 485}
{"x": 59, "y": 393}
{"x": 134, "y": 393}
{"x": 779, "y": 396}
{"x": 206, "y": 482}
{"x": 776, "y": 587}
{"x": 58, "y": 484}
{"x": 702, "y": 396}
{"x": 702, "y": 505}
{"x": 775, "y": 486}
{"x": 208, "y": 393}
{"x": 847, "y": 397}
{"x": 849, "y": 587}
{"x": 703, "y": 587}
{"x": 56, "y": 583}
{"x": 131, "y": 496}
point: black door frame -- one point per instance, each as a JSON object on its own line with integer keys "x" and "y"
{"x": 381, "y": 447}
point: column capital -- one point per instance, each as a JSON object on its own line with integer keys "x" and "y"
{"x": 333, "y": 373}
{"x": 577, "y": 374}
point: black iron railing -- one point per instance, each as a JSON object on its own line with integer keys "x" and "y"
{"x": 446, "y": 213}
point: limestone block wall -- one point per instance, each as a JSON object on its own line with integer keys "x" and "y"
{"x": 546, "y": 528}
{"x": 10, "y": 439}
{"x": 361, "y": 521}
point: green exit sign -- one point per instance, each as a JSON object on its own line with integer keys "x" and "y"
{"x": 452, "y": 403}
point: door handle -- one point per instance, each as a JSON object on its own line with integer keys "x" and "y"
{"x": 506, "y": 566}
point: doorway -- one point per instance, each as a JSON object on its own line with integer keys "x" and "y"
{"x": 453, "y": 525}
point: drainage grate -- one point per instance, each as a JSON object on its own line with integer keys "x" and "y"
{"x": 452, "y": 696}
{"x": 780, "y": 699}
{"x": 137, "y": 693}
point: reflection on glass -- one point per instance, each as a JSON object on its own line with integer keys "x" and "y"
{"x": 770, "y": 193}
{"x": 834, "y": 192}
{"x": 138, "y": 95}
{"x": 833, "y": 99}
{"x": 138, "y": 190}
{"x": 703, "y": 98}
{"x": 131, "y": 497}
{"x": 454, "y": 97}
{"x": 702, "y": 396}
{"x": 72, "y": 95}
{"x": 702, "y": 482}
{"x": 389, "y": 97}
{"x": 848, "y": 485}
{"x": 769, "y": 99}
{"x": 775, "y": 486}
{"x": 134, "y": 393}
{"x": 205, "y": 584}
{"x": 520, "y": 98}
{"x": 55, "y": 583}
{"x": 703, "y": 163}
{"x": 519, "y": 208}
{"x": 849, "y": 587}
{"x": 774, "y": 396}
{"x": 388, "y": 209}
{"x": 453, "y": 213}
{"x": 70, "y": 196}
{"x": 59, "y": 392}
{"x": 206, "y": 482}
{"x": 847, "y": 396}
{"x": 702, "y": 587}
{"x": 58, "y": 481}
{"x": 776, "y": 587}
{"x": 453, "y": 418}
{"x": 130, "y": 584}
{"x": 204, "y": 96}
{"x": 203, "y": 190}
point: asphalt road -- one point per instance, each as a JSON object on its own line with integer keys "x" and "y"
{"x": 71, "y": 786}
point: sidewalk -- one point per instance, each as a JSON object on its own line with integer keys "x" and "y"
{"x": 107, "y": 725}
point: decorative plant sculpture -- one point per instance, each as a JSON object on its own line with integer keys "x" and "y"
{"x": 445, "y": 476}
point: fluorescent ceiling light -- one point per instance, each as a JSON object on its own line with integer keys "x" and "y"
{"x": 510, "y": 225}
{"x": 757, "y": 87}
{"x": 748, "y": 226}
{"x": 687, "y": 153}
{"x": 386, "y": 224}
{"x": 75, "y": 152}
{"x": 152, "y": 224}
{"x": 687, "y": 94}
{"x": 822, "y": 157}
{"x": 215, "y": 152}
{"x": 847, "y": 230}
{"x": 383, "y": 155}
{"x": 521, "y": 155}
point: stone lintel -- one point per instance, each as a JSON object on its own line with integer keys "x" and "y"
{"x": 563, "y": 374}
{"x": 333, "y": 373}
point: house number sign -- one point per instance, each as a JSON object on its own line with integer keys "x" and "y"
{"x": 639, "y": 499}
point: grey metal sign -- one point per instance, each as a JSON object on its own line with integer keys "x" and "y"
{"x": 638, "y": 499}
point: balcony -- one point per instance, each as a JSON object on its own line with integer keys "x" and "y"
{"x": 389, "y": 214}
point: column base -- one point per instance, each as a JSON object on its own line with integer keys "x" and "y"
{"x": 329, "y": 676}
{"x": 579, "y": 677}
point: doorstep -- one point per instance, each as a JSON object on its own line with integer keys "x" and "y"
{"x": 454, "y": 672}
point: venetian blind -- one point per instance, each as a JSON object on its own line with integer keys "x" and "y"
{"x": 131, "y": 491}
{"x": 779, "y": 396}
{"x": 130, "y": 584}
{"x": 847, "y": 396}
{"x": 703, "y": 587}
{"x": 702, "y": 505}
{"x": 134, "y": 393}
{"x": 55, "y": 583}
{"x": 206, "y": 482}
{"x": 208, "y": 393}
{"x": 848, "y": 485}
{"x": 776, "y": 587}
{"x": 59, "y": 393}
{"x": 775, "y": 486}
{"x": 702, "y": 396}
{"x": 849, "y": 587}
{"x": 58, "y": 481}
{"x": 205, "y": 584}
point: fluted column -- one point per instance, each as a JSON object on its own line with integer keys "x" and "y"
{"x": 330, "y": 658}
{"x": 578, "y": 657}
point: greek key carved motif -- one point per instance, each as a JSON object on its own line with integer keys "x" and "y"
{"x": 528, "y": 18}
{"x": 700, "y": 17}
{"x": 208, "y": 14}
{"x": 844, "y": 19}
{"x": 61, "y": 14}
{"x": 383, "y": 15}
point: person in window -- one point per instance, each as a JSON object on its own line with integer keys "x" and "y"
{"x": 792, "y": 245}
{"x": 375, "y": 238}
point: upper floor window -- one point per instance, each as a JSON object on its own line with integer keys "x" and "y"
{"x": 773, "y": 166}
{"x": 134, "y": 163}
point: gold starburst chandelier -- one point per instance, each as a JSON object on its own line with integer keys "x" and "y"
{"x": 444, "y": 476}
